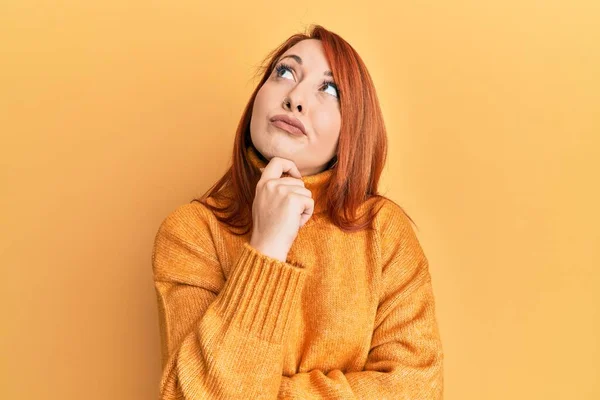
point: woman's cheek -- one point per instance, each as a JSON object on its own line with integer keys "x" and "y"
{"x": 327, "y": 123}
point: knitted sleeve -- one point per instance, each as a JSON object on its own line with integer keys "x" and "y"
{"x": 405, "y": 359}
{"x": 221, "y": 339}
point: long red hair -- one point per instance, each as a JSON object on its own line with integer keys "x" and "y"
{"x": 361, "y": 152}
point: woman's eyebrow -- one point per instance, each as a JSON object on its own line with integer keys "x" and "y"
{"x": 299, "y": 61}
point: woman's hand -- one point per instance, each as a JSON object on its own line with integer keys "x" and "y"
{"x": 281, "y": 206}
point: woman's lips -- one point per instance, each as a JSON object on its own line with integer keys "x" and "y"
{"x": 288, "y": 128}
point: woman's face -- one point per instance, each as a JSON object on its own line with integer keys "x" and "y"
{"x": 302, "y": 76}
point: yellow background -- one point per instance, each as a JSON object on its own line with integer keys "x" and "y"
{"x": 113, "y": 113}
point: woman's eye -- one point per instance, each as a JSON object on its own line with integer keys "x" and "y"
{"x": 282, "y": 69}
{"x": 334, "y": 91}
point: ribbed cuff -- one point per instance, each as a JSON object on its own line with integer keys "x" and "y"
{"x": 260, "y": 294}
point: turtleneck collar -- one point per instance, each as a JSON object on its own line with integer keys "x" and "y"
{"x": 316, "y": 183}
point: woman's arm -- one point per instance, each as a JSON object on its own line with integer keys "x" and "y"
{"x": 405, "y": 359}
{"x": 220, "y": 339}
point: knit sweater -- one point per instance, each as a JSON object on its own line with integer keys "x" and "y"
{"x": 346, "y": 316}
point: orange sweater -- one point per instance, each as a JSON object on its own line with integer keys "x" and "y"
{"x": 347, "y": 316}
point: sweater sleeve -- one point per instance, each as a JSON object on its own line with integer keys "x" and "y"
{"x": 405, "y": 360}
{"x": 220, "y": 339}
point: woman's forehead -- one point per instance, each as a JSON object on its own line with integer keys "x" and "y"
{"x": 309, "y": 53}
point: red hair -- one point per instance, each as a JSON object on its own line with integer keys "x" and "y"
{"x": 361, "y": 152}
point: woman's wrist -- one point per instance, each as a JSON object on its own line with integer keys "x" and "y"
{"x": 269, "y": 250}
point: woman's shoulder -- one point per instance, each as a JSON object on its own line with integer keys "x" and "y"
{"x": 184, "y": 248}
{"x": 186, "y": 220}
{"x": 186, "y": 211}
{"x": 388, "y": 214}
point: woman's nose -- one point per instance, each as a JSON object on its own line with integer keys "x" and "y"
{"x": 288, "y": 104}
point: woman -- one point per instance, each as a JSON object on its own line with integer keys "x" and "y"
{"x": 291, "y": 277}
